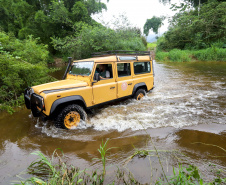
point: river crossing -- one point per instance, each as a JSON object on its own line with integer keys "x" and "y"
{"x": 185, "y": 111}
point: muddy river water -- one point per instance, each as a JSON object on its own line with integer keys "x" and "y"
{"x": 184, "y": 116}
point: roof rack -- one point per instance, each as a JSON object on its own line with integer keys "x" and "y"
{"x": 121, "y": 52}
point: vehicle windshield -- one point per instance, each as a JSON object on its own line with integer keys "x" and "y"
{"x": 81, "y": 68}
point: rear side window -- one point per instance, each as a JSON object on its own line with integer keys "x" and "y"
{"x": 123, "y": 69}
{"x": 142, "y": 67}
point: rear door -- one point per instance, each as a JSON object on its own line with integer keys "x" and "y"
{"x": 124, "y": 79}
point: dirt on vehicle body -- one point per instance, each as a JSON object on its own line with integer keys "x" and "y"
{"x": 91, "y": 82}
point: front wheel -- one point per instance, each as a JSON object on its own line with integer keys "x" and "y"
{"x": 70, "y": 117}
{"x": 139, "y": 94}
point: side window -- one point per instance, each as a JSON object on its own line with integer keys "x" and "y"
{"x": 142, "y": 67}
{"x": 105, "y": 71}
{"x": 123, "y": 69}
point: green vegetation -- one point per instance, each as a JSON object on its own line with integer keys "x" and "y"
{"x": 103, "y": 150}
{"x": 177, "y": 55}
{"x": 46, "y": 171}
{"x": 152, "y": 45}
{"x": 45, "y": 19}
{"x": 98, "y": 38}
{"x": 195, "y": 33}
{"x": 211, "y": 54}
{"x": 22, "y": 64}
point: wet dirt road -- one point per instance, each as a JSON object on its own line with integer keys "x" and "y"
{"x": 183, "y": 113}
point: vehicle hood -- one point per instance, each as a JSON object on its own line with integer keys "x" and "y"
{"x": 59, "y": 86}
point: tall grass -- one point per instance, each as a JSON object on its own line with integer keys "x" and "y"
{"x": 103, "y": 150}
{"x": 211, "y": 54}
{"x": 162, "y": 56}
{"x": 176, "y": 55}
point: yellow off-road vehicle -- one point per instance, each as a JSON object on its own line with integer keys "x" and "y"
{"x": 106, "y": 77}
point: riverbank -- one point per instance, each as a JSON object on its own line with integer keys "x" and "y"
{"x": 177, "y": 55}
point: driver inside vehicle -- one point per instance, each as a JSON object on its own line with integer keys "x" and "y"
{"x": 104, "y": 73}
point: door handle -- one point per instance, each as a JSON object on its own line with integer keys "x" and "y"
{"x": 112, "y": 87}
{"x": 130, "y": 83}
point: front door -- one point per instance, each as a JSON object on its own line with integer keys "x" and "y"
{"x": 105, "y": 89}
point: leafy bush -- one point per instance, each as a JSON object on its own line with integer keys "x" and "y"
{"x": 27, "y": 49}
{"x": 161, "y": 44}
{"x": 22, "y": 64}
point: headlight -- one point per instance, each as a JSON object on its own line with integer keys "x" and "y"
{"x": 38, "y": 101}
{"x": 29, "y": 91}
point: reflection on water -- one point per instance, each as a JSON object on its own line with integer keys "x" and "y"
{"x": 184, "y": 110}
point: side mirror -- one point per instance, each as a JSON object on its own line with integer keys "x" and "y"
{"x": 96, "y": 77}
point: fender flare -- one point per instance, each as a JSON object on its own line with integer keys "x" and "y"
{"x": 67, "y": 99}
{"x": 137, "y": 86}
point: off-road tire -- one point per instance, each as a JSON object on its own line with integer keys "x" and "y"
{"x": 139, "y": 94}
{"x": 59, "y": 121}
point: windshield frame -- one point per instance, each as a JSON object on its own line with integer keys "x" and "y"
{"x": 81, "y": 62}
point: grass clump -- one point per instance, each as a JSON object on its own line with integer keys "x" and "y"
{"x": 177, "y": 55}
{"x": 46, "y": 172}
{"x": 162, "y": 56}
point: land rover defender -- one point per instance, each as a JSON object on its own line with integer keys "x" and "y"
{"x": 108, "y": 76}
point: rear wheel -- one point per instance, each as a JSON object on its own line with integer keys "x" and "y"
{"x": 139, "y": 94}
{"x": 70, "y": 117}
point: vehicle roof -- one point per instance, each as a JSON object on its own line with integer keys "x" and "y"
{"x": 119, "y": 58}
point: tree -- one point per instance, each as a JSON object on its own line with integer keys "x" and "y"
{"x": 154, "y": 23}
{"x": 196, "y": 29}
{"x": 46, "y": 18}
{"x": 98, "y": 38}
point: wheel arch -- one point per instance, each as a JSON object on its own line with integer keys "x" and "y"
{"x": 141, "y": 85}
{"x": 63, "y": 102}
